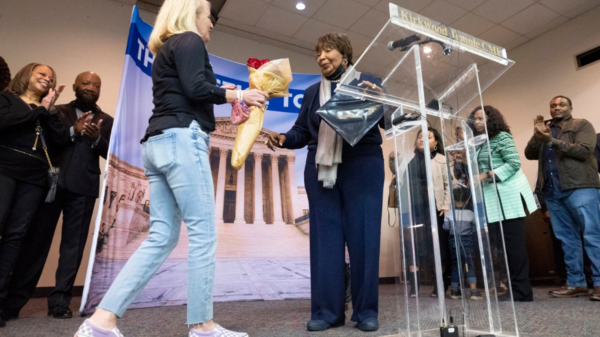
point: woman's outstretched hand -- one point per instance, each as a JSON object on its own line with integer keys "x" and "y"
{"x": 275, "y": 140}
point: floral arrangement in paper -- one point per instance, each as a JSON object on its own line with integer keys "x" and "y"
{"x": 272, "y": 77}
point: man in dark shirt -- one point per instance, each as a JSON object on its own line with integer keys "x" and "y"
{"x": 568, "y": 178}
{"x": 90, "y": 130}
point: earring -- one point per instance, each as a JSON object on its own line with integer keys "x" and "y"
{"x": 435, "y": 147}
{"x": 345, "y": 62}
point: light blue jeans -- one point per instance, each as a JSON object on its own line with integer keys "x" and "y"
{"x": 571, "y": 215}
{"x": 181, "y": 187}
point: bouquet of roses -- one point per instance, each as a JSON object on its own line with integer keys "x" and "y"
{"x": 272, "y": 77}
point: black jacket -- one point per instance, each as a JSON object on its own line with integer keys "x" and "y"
{"x": 80, "y": 162}
{"x": 183, "y": 85}
{"x": 18, "y": 122}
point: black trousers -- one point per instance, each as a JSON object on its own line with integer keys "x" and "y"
{"x": 445, "y": 253}
{"x": 77, "y": 212}
{"x": 349, "y": 213}
{"x": 425, "y": 254}
{"x": 18, "y": 203}
{"x": 516, "y": 255}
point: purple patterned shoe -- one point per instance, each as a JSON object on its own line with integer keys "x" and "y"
{"x": 88, "y": 329}
{"x": 219, "y": 331}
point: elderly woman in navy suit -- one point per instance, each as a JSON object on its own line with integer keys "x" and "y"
{"x": 344, "y": 185}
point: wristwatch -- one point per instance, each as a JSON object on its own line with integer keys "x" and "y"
{"x": 488, "y": 175}
{"x": 549, "y": 143}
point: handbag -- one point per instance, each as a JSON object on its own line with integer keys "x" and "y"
{"x": 393, "y": 195}
{"x": 52, "y": 171}
{"x": 351, "y": 117}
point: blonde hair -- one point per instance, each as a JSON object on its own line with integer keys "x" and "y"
{"x": 175, "y": 17}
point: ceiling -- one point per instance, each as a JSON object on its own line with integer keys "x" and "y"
{"x": 507, "y": 23}
{"x": 154, "y": 5}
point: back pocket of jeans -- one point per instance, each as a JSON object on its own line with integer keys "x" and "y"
{"x": 163, "y": 151}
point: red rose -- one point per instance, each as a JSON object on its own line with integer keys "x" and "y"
{"x": 256, "y": 63}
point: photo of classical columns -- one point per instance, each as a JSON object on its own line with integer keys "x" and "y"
{"x": 263, "y": 191}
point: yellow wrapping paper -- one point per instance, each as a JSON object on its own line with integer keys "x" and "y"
{"x": 273, "y": 78}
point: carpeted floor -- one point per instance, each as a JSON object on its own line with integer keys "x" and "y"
{"x": 545, "y": 317}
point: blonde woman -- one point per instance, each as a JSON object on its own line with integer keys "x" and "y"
{"x": 175, "y": 155}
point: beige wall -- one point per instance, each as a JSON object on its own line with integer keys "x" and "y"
{"x": 78, "y": 35}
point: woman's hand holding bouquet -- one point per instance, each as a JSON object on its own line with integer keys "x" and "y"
{"x": 272, "y": 77}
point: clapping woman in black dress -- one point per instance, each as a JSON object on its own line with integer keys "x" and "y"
{"x": 29, "y": 127}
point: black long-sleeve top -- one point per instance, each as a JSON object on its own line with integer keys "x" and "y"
{"x": 184, "y": 85}
{"x": 306, "y": 129}
{"x": 18, "y": 122}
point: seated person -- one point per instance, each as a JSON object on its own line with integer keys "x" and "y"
{"x": 463, "y": 226}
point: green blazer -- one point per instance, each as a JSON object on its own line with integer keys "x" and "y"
{"x": 511, "y": 183}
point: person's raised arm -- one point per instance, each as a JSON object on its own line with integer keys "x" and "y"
{"x": 11, "y": 115}
{"x": 532, "y": 150}
{"x": 188, "y": 54}
{"x": 298, "y": 136}
{"x": 583, "y": 145}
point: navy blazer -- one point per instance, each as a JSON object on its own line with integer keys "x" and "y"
{"x": 306, "y": 129}
{"x": 80, "y": 162}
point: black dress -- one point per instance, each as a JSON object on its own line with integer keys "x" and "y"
{"x": 23, "y": 172}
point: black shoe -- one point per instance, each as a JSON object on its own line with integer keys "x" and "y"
{"x": 317, "y": 325}
{"x": 369, "y": 324}
{"x": 475, "y": 295}
{"x": 60, "y": 312}
{"x": 2, "y": 322}
{"x": 8, "y": 315}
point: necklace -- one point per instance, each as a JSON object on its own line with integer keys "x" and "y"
{"x": 25, "y": 98}
{"x": 336, "y": 81}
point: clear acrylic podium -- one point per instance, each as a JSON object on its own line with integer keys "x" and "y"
{"x": 434, "y": 79}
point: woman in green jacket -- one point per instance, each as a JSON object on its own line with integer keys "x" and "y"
{"x": 512, "y": 198}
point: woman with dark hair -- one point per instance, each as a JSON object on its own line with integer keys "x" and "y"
{"x": 420, "y": 206}
{"x": 4, "y": 74}
{"x": 338, "y": 214}
{"x": 29, "y": 127}
{"x": 511, "y": 198}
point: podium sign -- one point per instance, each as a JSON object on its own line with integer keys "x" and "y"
{"x": 432, "y": 78}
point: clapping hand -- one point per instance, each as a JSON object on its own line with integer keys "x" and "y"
{"x": 92, "y": 131}
{"x": 541, "y": 131}
{"x": 50, "y": 99}
{"x": 81, "y": 121}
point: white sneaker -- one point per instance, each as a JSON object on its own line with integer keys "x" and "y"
{"x": 219, "y": 331}
{"x": 88, "y": 329}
